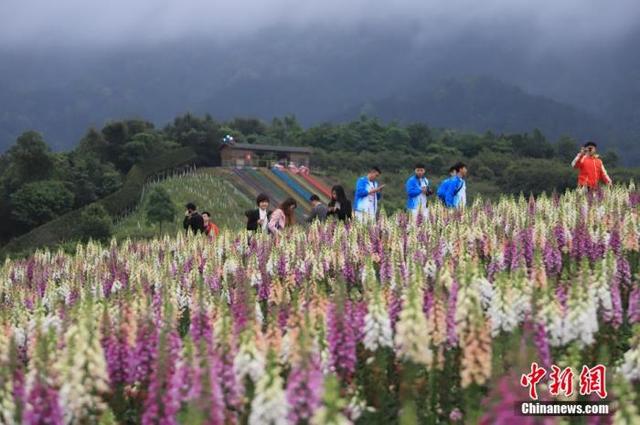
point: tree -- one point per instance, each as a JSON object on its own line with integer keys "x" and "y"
{"x": 610, "y": 159}
{"x": 94, "y": 144}
{"x": 30, "y": 159}
{"x": 249, "y": 126}
{"x": 534, "y": 176}
{"x": 534, "y": 145}
{"x": 160, "y": 208}
{"x": 141, "y": 147}
{"x": 567, "y": 148}
{"x": 419, "y": 136}
{"x": 38, "y": 202}
{"x": 95, "y": 223}
{"x": 90, "y": 179}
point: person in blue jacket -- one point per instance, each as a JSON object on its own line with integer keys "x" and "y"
{"x": 455, "y": 191}
{"x": 442, "y": 189}
{"x": 418, "y": 189}
{"x": 367, "y": 196}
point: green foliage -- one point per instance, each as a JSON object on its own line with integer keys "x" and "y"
{"x": 536, "y": 177}
{"x": 160, "y": 208}
{"x": 566, "y": 149}
{"x": 129, "y": 195}
{"x": 610, "y": 158}
{"x": 30, "y": 159}
{"x": 143, "y": 146}
{"x": 38, "y": 202}
{"x": 95, "y": 223}
{"x": 87, "y": 177}
{"x": 64, "y": 228}
{"x": 249, "y": 126}
{"x": 208, "y": 188}
{"x": 201, "y": 134}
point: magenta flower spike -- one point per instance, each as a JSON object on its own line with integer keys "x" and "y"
{"x": 341, "y": 338}
{"x": 304, "y": 389}
{"x": 42, "y": 406}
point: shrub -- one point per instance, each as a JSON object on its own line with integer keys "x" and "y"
{"x": 95, "y": 223}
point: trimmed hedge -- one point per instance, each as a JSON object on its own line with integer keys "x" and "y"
{"x": 65, "y": 227}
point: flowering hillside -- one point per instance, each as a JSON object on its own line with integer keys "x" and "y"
{"x": 427, "y": 323}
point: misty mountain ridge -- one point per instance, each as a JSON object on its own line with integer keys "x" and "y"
{"x": 324, "y": 76}
{"x": 484, "y": 104}
{"x": 474, "y": 104}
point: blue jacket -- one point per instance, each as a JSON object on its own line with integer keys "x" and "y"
{"x": 362, "y": 192}
{"x": 442, "y": 189}
{"x": 450, "y": 189}
{"x": 414, "y": 190}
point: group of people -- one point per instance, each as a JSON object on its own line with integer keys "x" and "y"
{"x": 452, "y": 193}
{"x": 367, "y": 196}
{"x": 199, "y": 223}
{"x": 262, "y": 219}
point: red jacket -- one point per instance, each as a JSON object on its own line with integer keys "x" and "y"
{"x": 592, "y": 171}
{"x": 211, "y": 230}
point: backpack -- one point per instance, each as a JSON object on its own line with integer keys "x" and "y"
{"x": 444, "y": 186}
{"x": 442, "y": 189}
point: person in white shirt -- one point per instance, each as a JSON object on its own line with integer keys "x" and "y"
{"x": 461, "y": 201}
{"x": 367, "y": 196}
{"x": 418, "y": 189}
{"x": 455, "y": 192}
{"x": 258, "y": 219}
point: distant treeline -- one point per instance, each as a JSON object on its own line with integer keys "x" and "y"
{"x": 38, "y": 185}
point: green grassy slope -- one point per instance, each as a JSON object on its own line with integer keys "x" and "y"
{"x": 208, "y": 188}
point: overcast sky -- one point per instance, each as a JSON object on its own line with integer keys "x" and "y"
{"x": 116, "y": 22}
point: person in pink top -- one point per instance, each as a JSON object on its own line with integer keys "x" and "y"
{"x": 283, "y": 216}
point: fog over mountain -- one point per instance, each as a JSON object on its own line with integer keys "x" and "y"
{"x": 70, "y": 64}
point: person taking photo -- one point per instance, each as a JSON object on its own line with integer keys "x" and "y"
{"x": 591, "y": 171}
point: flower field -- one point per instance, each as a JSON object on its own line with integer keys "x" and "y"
{"x": 411, "y": 323}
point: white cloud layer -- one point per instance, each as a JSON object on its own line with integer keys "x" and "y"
{"x": 117, "y": 22}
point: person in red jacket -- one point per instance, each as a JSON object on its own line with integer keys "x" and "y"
{"x": 591, "y": 169}
{"x": 210, "y": 227}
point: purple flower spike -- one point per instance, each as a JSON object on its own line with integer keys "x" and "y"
{"x": 542, "y": 345}
{"x": 304, "y": 390}
{"x": 342, "y": 340}
{"x": 42, "y": 405}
